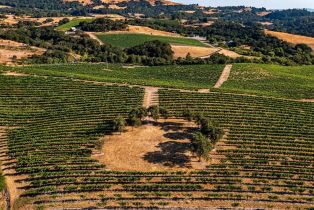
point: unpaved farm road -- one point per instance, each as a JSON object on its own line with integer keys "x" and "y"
{"x": 224, "y": 76}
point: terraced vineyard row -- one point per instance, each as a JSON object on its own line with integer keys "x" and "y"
{"x": 268, "y": 153}
{"x": 59, "y": 125}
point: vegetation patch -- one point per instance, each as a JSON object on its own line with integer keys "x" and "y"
{"x": 295, "y": 82}
{"x": 175, "y": 76}
{"x": 74, "y": 23}
{"x": 131, "y": 40}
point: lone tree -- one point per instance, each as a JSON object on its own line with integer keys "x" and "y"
{"x": 201, "y": 146}
{"x": 154, "y": 112}
{"x": 119, "y": 124}
{"x": 136, "y": 116}
{"x": 211, "y": 130}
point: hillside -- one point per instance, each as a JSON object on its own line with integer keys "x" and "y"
{"x": 292, "y": 38}
{"x": 148, "y": 104}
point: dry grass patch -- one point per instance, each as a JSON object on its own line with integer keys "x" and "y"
{"x": 183, "y": 50}
{"x": 165, "y": 146}
{"x": 292, "y": 38}
{"x": 229, "y": 53}
{"x": 11, "y": 52}
{"x": 144, "y": 30}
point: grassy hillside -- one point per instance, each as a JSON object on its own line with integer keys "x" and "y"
{"x": 272, "y": 80}
{"x": 186, "y": 77}
{"x": 130, "y": 40}
{"x": 73, "y": 23}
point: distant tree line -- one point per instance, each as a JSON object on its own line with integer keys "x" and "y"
{"x": 102, "y": 25}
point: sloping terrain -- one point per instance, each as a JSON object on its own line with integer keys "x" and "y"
{"x": 11, "y": 52}
{"x": 292, "y": 38}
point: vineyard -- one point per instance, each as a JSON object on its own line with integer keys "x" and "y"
{"x": 185, "y": 77}
{"x": 131, "y": 40}
{"x": 265, "y": 159}
{"x": 59, "y": 123}
{"x": 272, "y": 80}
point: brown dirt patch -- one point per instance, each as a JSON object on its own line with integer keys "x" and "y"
{"x": 183, "y": 50}
{"x": 151, "y": 148}
{"x": 292, "y": 38}
{"x": 224, "y": 76}
{"x": 12, "y": 73}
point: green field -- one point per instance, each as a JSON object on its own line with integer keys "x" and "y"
{"x": 185, "y": 77}
{"x": 131, "y": 40}
{"x": 265, "y": 160}
{"x": 268, "y": 154}
{"x": 272, "y": 80}
{"x": 73, "y": 23}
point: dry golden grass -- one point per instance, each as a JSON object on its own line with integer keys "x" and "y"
{"x": 262, "y": 14}
{"x": 292, "y": 38}
{"x": 151, "y": 148}
{"x": 183, "y": 50}
{"x": 144, "y": 30}
{"x": 229, "y": 53}
{"x": 10, "y": 49}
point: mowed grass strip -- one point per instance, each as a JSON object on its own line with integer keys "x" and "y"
{"x": 131, "y": 40}
{"x": 73, "y": 23}
{"x": 296, "y": 82}
{"x": 174, "y": 76}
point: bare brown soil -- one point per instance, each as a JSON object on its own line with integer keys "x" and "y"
{"x": 12, "y": 73}
{"x": 292, "y": 38}
{"x": 195, "y": 51}
{"x": 151, "y": 148}
{"x": 224, "y": 76}
{"x": 150, "y": 97}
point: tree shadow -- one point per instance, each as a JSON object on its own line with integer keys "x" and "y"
{"x": 178, "y": 135}
{"x": 172, "y": 154}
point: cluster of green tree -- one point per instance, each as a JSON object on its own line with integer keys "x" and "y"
{"x": 63, "y": 48}
{"x": 231, "y": 34}
{"x": 294, "y": 21}
{"x": 153, "y": 49}
{"x": 203, "y": 141}
{"x": 102, "y": 25}
{"x": 136, "y": 117}
{"x": 45, "y": 8}
{"x": 208, "y": 135}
